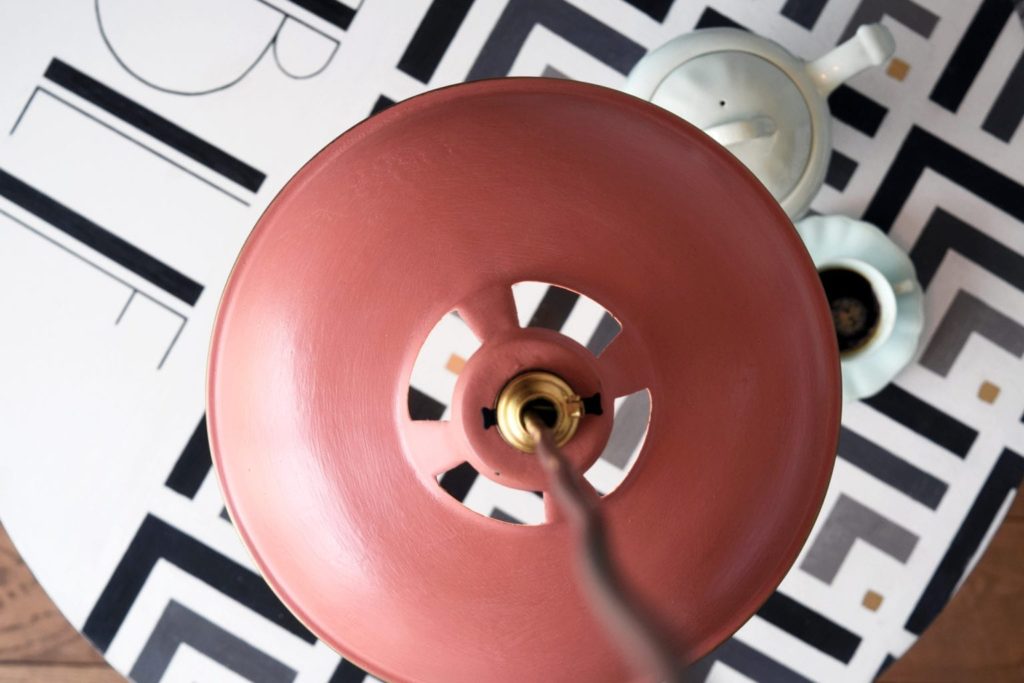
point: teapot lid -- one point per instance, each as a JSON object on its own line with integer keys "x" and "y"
{"x": 441, "y": 203}
{"x": 774, "y": 117}
{"x": 771, "y": 107}
{"x": 752, "y": 107}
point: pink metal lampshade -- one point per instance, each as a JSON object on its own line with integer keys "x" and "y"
{"x": 441, "y": 203}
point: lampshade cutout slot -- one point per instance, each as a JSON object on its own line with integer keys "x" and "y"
{"x": 456, "y": 338}
{"x": 451, "y": 342}
{"x": 577, "y": 316}
{"x": 514, "y": 506}
{"x": 445, "y": 351}
{"x": 629, "y": 433}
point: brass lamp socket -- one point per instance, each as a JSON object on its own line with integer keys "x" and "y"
{"x": 545, "y": 394}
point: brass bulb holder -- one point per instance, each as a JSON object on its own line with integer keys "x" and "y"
{"x": 544, "y": 394}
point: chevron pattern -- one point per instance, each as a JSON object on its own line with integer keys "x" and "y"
{"x": 847, "y": 523}
{"x": 179, "y": 626}
{"x": 931, "y": 152}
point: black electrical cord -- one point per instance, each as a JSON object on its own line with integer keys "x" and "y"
{"x": 641, "y": 640}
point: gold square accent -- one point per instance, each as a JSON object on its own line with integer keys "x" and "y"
{"x": 455, "y": 364}
{"x": 872, "y": 601}
{"x": 898, "y": 69}
{"x": 988, "y": 392}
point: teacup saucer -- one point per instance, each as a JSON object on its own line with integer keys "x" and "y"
{"x": 838, "y": 240}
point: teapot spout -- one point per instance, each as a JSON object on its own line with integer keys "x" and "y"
{"x": 872, "y": 45}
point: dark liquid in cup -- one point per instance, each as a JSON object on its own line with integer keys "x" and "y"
{"x": 855, "y": 308}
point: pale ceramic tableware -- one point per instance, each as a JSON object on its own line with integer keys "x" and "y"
{"x": 763, "y": 104}
{"x": 841, "y": 242}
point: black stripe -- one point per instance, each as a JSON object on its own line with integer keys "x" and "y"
{"x": 909, "y": 13}
{"x": 74, "y": 254}
{"x": 100, "y": 239}
{"x": 381, "y": 104}
{"x": 154, "y": 125}
{"x": 554, "y": 308}
{"x": 894, "y": 471}
{"x": 193, "y": 464}
{"x": 971, "y": 53}
{"x": 925, "y": 419}
{"x": 814, "y": 629}
{"x": 459, "y": 480}
{"x": 1005, "y": 477}
{"x": 607, "y": 329}
{"x": 655, "y": 9}
{"x": 570, "y": 23}
{"x": 921, "y": 150}
{"x": 330, "y": 11}
{"x": 423, "y": 407}
{"x": 347, "y": 672}
{"x": 432, "y": 38}
{"x": 498, "y": 513}
{"x": 944, "y": 232}
{"x": 886, "y": 663}
{"x": 1006, "y": 113}
{"x": 856, "y": 110}
{"x": 747, "y": 661}
{"x": 157, "y": 540}
{"x": 712, "y": 18}
{"x": 118, "y": 132}
{"x": 804, "y": 12}
{"x": 840, "y": 169}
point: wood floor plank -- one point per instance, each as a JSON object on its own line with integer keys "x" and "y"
{"x": 64, "y": 673}
{"x": 31, "y": 628}
{"x": 979, "y": 636}
{"x": 1017, "y": 509}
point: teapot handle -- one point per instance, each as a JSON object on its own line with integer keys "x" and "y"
{"x": 735, "y": 132}
{"x": 872, "y": 45}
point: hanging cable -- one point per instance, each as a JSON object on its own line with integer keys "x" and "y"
{"x": 642, "y": 641}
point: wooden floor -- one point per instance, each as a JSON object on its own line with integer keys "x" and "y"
{"x": 979, "y": 637}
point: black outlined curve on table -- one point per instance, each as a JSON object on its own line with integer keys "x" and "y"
{"x": 270, "y": 46}
{"x": 277, "y": 59}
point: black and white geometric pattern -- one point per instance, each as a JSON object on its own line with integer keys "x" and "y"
{"x": 136, "y": 154}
